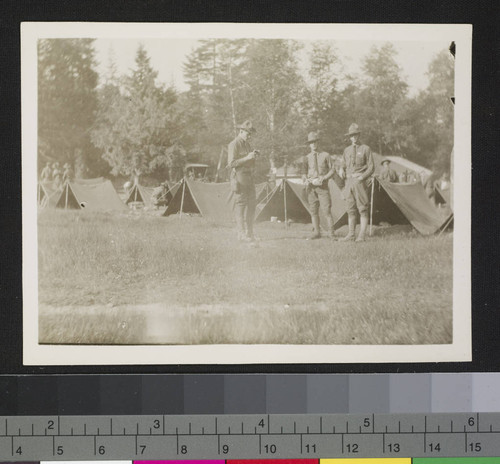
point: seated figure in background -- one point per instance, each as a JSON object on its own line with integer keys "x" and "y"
{"x": 386, "y": 173}
{"x": 159, "y": 197}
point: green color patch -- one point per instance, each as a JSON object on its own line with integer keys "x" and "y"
{"x": 474, "y": 460}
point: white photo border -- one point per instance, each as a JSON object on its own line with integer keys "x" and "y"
{"x": 459, "y": 350}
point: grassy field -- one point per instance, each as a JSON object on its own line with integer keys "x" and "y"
{"x": 139, "y": 278}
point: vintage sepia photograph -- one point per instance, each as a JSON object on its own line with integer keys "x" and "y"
{"x": 246, "y": 193}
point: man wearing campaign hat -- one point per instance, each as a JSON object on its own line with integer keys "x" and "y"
{"x": 241, "y": 162}
{"x": 46, "y": 173}
{"x": 67, "y": 173}
{"x": 317, "y": 169}
{"x": 386, "y": 173}
{"x": 357, "y": 167}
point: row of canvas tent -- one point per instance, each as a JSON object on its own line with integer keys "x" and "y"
{"x": 392, "y": 203}
{"x": 94, "y": 195}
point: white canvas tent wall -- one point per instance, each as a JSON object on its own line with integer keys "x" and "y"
{"x": 91, "y": 195}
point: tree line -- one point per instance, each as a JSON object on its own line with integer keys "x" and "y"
{"x": 133, "y": 125}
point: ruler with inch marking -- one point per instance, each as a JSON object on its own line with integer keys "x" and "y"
{"x": 290, "y": 436}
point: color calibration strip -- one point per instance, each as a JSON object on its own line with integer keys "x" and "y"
{"x": 272, "y": 436}
{"x": 478, "y": 460}
{"x": 249, "y": 394}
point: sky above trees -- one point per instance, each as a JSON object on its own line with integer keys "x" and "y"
{"x": 168, "y": 55}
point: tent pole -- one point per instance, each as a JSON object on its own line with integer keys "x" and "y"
{"x": 135, "y": 193}
{"x": 182, "y": 198}
{"x": 284, "y": 200}
{"x": 371, "y": 206}
{"x": 284, "y": 193}
{"x": 448, "y": 222}
{"x": 168, "y": 191}
{"x": 66, "y": 204}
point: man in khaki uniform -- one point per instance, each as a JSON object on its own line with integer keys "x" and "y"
{"x": 241, "y": 161}
{"x": 67, "y": 173}
{"x": 46, "y": 173}
{"x": 357, "y": 167}
{"x": 317, "y": 169}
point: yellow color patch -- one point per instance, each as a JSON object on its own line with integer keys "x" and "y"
{"x": 367, "y": 461}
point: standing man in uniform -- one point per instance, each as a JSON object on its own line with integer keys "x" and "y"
{"x": 318, "y": 167}
{"x": 46, "y": 173}
{"x": 357, "y": 167}
{"x": 241, "y": 162}
{"x": 67, "y": 173}
{"x": 56, "y": 175}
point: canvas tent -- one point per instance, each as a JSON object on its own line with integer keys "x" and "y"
{"x": 397, "y": 204}
{"x": 392, "y": 203}
{"x": 442, "y": 195}
{"x": 47, "y": 194}
{"x": 145, "y": 194}
{"x": 263, "y": 191}
{"x": 90, "y": 194}
{"x": 140, "y": 193}
{"x": 296, "y": 204}
{"x": 212, "y": 201}
{"x": 339, "y": 206}
{"x": 407, "y": 203}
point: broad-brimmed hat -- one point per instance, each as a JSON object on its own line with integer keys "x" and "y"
{"x": 247, "y": 126}
{"x": 353, "y": 129}
{"x": 312, "y": 137}
{"x": 385, "y": 160}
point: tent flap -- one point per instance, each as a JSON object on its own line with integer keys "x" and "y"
{"x": 416, "y": 206}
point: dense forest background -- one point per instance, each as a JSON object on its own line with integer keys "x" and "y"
{"x": 134, "y": 126}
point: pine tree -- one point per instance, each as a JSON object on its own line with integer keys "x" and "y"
{"x": 272, "y": 95}
{"x": 67, "y": 103}
{"x": 433, "y": 114}
{"x": 381, "y": 100}
{"x": 322, "y": 103}
{"x": 136, "y": 124}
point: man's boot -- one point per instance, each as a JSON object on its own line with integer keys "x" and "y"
{"x": 315, "y": 222}
{"x": 362, "y": 227}
{"x": 331, "y": 228}
{"x": 249, "y": 217}
{"x": 352, "y": 229}
{"x": 240, "y": 222}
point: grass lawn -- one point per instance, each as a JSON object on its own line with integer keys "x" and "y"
{"x": 139, "y": 278}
